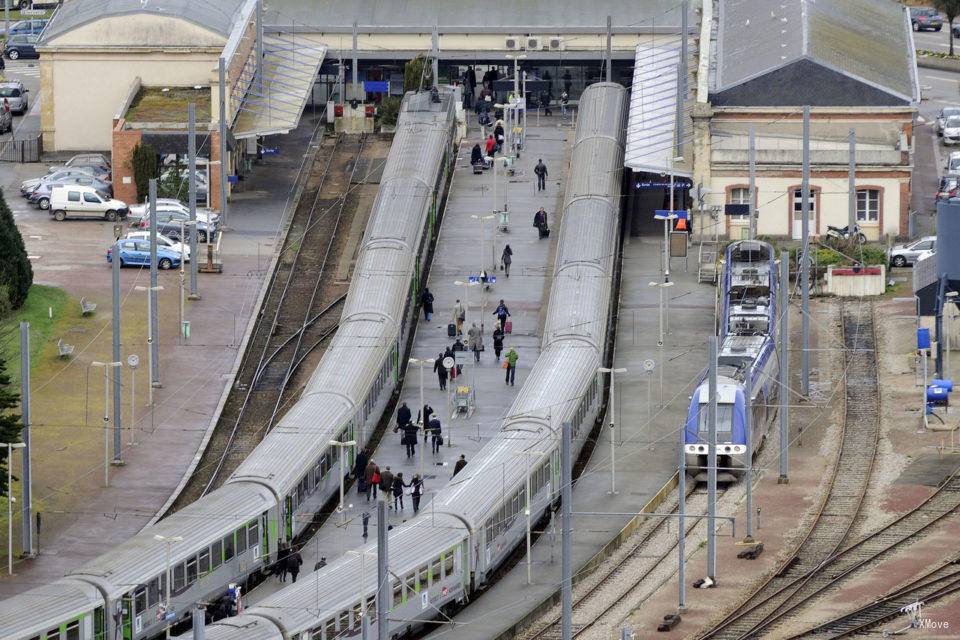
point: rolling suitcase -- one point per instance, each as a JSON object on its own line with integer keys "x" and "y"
{"x": 452, "y": 330}
{"x": 508, "y": 326}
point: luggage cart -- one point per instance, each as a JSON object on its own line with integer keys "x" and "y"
{"x": 463, "y": 401}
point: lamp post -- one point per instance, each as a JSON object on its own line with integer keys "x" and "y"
{"x": 341, "y": 446}
{"x": 363, "y": 592}
{"x": 169, "y": 541}
{"x": 150, "y": 336}
{"x": 183, "y": 249}
{"x": 423, "y": 418}
{"x": 613, "y": 469}
{"x": 10, "y": 500}
{"x": 527, "y": 455}
{"x": 133, "y": 361}
{"x": 483, "y": 238}
{"x": 106, "y": 415}
{"x": 661, "y": 286}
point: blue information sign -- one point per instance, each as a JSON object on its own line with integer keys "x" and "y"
{"x": 923, "y": 338}
{"x": 476, "y": 279}
{"x": 665, "y": 214}
{"x": 376, "y": 86}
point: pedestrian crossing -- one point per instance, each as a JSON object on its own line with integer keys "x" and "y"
{"x": 22, "y": 70}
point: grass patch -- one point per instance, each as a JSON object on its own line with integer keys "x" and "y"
{"x": 153, "y": 104}
{"x": 36, "y": 311}
{"x": 927, "y": 53}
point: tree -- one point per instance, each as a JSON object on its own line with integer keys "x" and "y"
{"x": 16, "y": 274}
{"x": 144, "y": 162}
{"x": 417, "y": 74}
{"x": 10, "y": 424}
{"x": 951, "y": 9}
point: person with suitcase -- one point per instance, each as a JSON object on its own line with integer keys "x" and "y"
{"x": 497, "y": 342}
{"x": 502, "y": 314}
{"x": 540, "y": 222}
{"x": 441, "y": 372}
{"x": 436, "y": 431}
{"x": 426, "y": 301}
{"x": 459, "y": 316}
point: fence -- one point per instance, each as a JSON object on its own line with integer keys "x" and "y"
{"x": 22, "y": 150}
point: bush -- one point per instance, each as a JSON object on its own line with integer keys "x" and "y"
{"x": 389, "y": 110}
{"x": 10, "y": 424}
{"x": 174, "y": 185}
{"x": 16, "y": 274}
{"x": 417, "y": 74}
{"x": 145, "y": 167}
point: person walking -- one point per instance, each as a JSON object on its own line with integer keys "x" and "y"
{"x": 437, "y": 435}
{"x": 365, "y": 520}
{"x": 321, "y": 563}
{"x": 506, "y": 258}
{"x": 441, "y": 372}
{"x": 475, "y": 342}
{"x": 386, "y": 483}
{"x": 564, "y": 101}
{"x": 490, "y": 146}
{"x": 294, "y": 561}
{"x": 283, "y": 552}
{"x": 403, "y": 415}
{"x": 398, "y": 486}
{"x": 461, "y": 463}
{"x": 498, "y": 136}
{"x": 567, "y": 81}
{"x": 423, "y": 419}
{"x": 409, "y": 438}
{"x": 416, "y": 492}
{"x": 541, "y": 172}
{"x": 497, "y": 342}
{"x": 370, "y": 479}
{"x": 459, "y": 316}
{"x": 426, "y": 301}
{"x": 502, "y": 314}
{"x": 540, "y": 222}
{"x": 360, "y": 469}
{"x": 511, "y": 358}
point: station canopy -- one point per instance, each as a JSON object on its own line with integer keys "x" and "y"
{"x": 652, "y": 124}
{"x": 274, "y": 101}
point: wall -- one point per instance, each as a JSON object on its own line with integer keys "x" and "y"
{"x": 124, "y": 142}
{"x": 139, "y": 31}
{"x": 474, "y": 42}
{"x": 774, "y": 206}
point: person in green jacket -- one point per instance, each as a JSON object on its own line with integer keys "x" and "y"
{"x": 511, "y": 358}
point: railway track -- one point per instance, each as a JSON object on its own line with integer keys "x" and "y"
{"x": 942, "y": 581}
{"x": 300, "y": 311}
{"x": 803, "y": 573}
{"x": 592, "y": 607}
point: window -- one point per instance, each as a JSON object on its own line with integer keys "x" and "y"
{"x": 178, "y": 578}
{"x": 228, "y": 548}
{"x": 73, "y": 196}
{"x": 798, "y": 204}
{"x": 253, "y": 534}
{"x": 53, "y": 634}
{"x": 153, "y": 592}
{"x": 91, "y": 197}
{"x": 216, "y": 555}
{"x": 73, "y": 630}
{"x": 344, "y": 620}
{"x": 241, "y": 539}
{"x": 191, "y": 570}
{"x": 448, "y": 564}
{"x": 868, "y": 205}
{"x": 435, "y": 572}
{"x": 331, "y": 628}
{"x": 140, "y": 600}
{"x": 203, "y": 566}
{"x": 397, "y": 593}
{"x": 724, "y": 417}
{"x": 740, "y": 195}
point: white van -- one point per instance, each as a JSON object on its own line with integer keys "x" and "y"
{"x": 76, "y": 201}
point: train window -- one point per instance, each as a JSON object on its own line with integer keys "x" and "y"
{"x": 191, "y": 570}
{"x": 140, "y": 600}
{"x": 228, "y": 548}
{"x": 241, "y": 539}
{"x": 35, "y": 638}
{"x": 422, "y": 578}
{"x": 178, "y": 578}
{"x": 203, "y": 564}
{"x": 344, "y": 620}
{"x": 253, "y": 534}
{"x": 448, "y": 564}
{"x": 73, "y": 630}
{"x": 53, "y": 634}
{"x": 216, "y": 554}
{"x": 372, "y": 607}
{"x": 397, "y": 593}
{"x": 411, "y": 583}
{"x": 153, "y": 592}
{"x": 355, "y": 615}
{"x": 331, "y": 628}
{"x": 435, "y": 571}
{"x": 317, "y": 634}
{"x": 162, "y": 580}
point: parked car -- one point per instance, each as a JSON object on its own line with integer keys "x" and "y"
{"x": 40, "y": 197}
{"x": 945, "y": 113}
{"x": 903, "y": 255}
{"x": 15, "y": 95}
{"x": 953, "y": 163}
{"x": 139, "y": 212}
{"x": 137, "y": 253}
{"x": 202, "y": 189}
{"x": 102, "y": 172}
{"x": 951, "y": 130}
{"x": 22, "y": 46}
{"x": 62, "y": 176}
{"x": 22, "y": 27}
{"x": 77, "y": 201}
{"x": 99, "y": 160}
{"x": 947, "y": 188}
{"x": 163, "y": 241}
{"x": 169, "y": 224}
{"x": 925, "y": 19}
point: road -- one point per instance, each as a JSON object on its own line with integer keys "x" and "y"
{"x": 936, "y": 40}
{"x": 939, "y": 89}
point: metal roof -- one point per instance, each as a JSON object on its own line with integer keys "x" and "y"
{"x": 35, "y": 611}
{"x": 491, "y": 16}
{"x": 216, "y": 15}
{"x": 866, "y": 40}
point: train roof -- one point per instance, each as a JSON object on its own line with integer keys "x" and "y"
{"x": 247, "y": 627}
{"x": 142, "y": 557}
{"x": 33, "y": 612}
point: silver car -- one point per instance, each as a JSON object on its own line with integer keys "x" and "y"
{"x": 62, "y": 176}
{"x": 951, "y": 130}
{"x": 15, "y": 95}
{"x": 903, "y": 255}
{"x": 945, "y": 113}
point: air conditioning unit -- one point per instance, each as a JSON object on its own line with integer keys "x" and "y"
{"x": 555, "y": 43}
{"x": 514, "y": 43}
{"x": 534, "y": 43}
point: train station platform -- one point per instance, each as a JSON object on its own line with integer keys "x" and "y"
{"x": 81, "y": 518}
{"x": 646, "y": 440}
{"x": 464, "y": 239}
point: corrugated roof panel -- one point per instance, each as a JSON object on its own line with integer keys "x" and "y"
{"x": 33, "y": 612}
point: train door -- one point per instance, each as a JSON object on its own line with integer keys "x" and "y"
{"x": 288, "y": 517}
{"x": 99, "y": 623}
{"x": 126, "y": 616}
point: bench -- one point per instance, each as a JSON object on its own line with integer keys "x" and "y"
{"x": 86, "y": 307}
{"x": 65, "y": 350}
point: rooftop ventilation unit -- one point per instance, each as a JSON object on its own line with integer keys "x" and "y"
{"x": 514, "y": 43}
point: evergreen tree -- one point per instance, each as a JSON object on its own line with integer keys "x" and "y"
{"x": 417, "y": 74}
{"x": 10, "y": 424}
{"x": 145, "y": 167}
{"x": 16, "y": 274}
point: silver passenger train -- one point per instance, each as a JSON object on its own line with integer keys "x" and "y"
{"x": 230, "y": 533}
{"x": 440, "y": 557}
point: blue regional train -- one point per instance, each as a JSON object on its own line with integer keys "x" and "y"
{"x": 747, "y": 333}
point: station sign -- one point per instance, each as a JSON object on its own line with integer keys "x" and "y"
{"x": 648, "y": 185}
